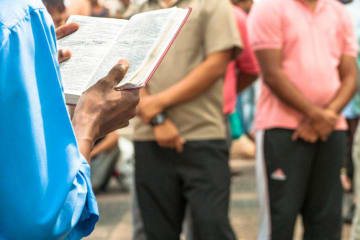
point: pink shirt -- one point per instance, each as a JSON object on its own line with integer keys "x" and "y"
{"x": 312, "y": 44}
{"x": 246, "y": 63}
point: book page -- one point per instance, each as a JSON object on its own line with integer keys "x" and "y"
{"x": 163, "y": 44}
{"x": 137, "y": 40}
{"x": 89, "y": 45}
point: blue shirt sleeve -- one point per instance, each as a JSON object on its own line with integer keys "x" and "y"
{"x": 45, "y": 189}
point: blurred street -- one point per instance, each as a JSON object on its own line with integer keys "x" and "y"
{"x": 115, "y": 219}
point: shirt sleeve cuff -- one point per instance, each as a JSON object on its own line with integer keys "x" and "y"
{"x": 225, "y": 46}
{"x": 90, "y": 213}
{"x": 352, "y": 53}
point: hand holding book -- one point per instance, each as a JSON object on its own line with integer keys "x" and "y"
{"x": 143, "y": 41}
{"x": 101, "y": 109}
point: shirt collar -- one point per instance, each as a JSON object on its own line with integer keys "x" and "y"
{"x": 319, "y": 5}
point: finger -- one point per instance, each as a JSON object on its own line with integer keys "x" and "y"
{"x": 179, "y": 145}
{"x": 66, "y": 30}
{"x": 324, "y": 138}
{"x": 305, "y": 138}
{"x": 125, "y": 124}
{"x": 295, "y": 135}
{"x": 160, "y": 143}
{"x": 117, "y": 73}
{"x": 306, "y": 135}
{"x": 313, "y": 139}
{"x": 166, "y": 143}
{"x": 64, "y": 55}
{"x": 310, "y": 136}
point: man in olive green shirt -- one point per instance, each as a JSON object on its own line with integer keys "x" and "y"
{"x": 180, "y": 147}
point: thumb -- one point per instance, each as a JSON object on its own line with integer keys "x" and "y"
{"x": 63, "y": 55}
{"x": 324, "y": 138}
{"x": 66, "y": 29}
{"x": 179, "y": 144}
{"x": 295, "y": 136}
{"x": 117, "y": 73}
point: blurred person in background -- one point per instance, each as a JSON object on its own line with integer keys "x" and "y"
{"x": 51, "y": 154}
{"x": 352, "y": 115}
{"x": 354, "y": 9}
{"x": 78, "y": 7}
{"x": 98, "y": 9}
{"x": 241, "y": 73}
{"x": 104, "y": 157}
{"x": 134, "y": 7}
{"x": 307, "y": 54}
{"x": 117, "y": 8}
{"x": 180, "y": 132}
{"x": 57, "y": 10}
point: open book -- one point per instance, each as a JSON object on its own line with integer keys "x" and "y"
{"x": 100, "y": 42}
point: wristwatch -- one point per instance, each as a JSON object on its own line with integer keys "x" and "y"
{"x": 158, "y": 119}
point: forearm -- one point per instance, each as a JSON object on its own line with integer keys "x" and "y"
{"x": 244, "y": 80}
{"x": 196, "y": 82}
{"x": 286, "y": 91}
{"x": 107, "y": 144}
{"x": 85, "y": 147}
{"x": 348, "y": 76}
{"x": 84, "y": 133}
{"x": 270, "y": 61}
{"x": 344, "y": 95}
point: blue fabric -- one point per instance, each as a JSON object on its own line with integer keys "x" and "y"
{"x": 45, "y": 189}
{"x": 245, "y": 107}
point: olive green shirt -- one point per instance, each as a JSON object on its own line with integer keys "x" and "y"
{"x": 211, "y": 28}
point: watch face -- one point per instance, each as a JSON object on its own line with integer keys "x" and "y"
{"x": 161, "y": 118}
{"x": 158, "y": 119}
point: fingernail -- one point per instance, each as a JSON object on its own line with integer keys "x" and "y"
{"x": 123, "y": 63}
{"x": 67, "y": 52}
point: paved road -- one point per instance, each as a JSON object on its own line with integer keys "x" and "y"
{"x": 115, "y": 220}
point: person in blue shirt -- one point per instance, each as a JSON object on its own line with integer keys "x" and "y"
{"x": 45, "y": 191}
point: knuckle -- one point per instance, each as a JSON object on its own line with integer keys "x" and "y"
{"x": 127, "y": 123}
{"x": 133, "y": 113}
{"x": 133, "y": 99}
{"x": 136, "y": 100}
{"x": 161, "y": 143}
{"x": 118, "y": 72}
{"x": 102, "y": 84}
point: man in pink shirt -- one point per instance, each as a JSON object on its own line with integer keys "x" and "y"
{"x": 307, "y": 54}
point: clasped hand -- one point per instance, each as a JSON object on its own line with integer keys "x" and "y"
{"x": 166, "y": 134}
{"x": 318, "y": 126}
{"x": 149, "y": 107}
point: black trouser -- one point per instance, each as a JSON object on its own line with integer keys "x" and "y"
{"x": 349, "y": 163}
{"x": 301, "y": 178}
{"x": 166, "y": 182}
